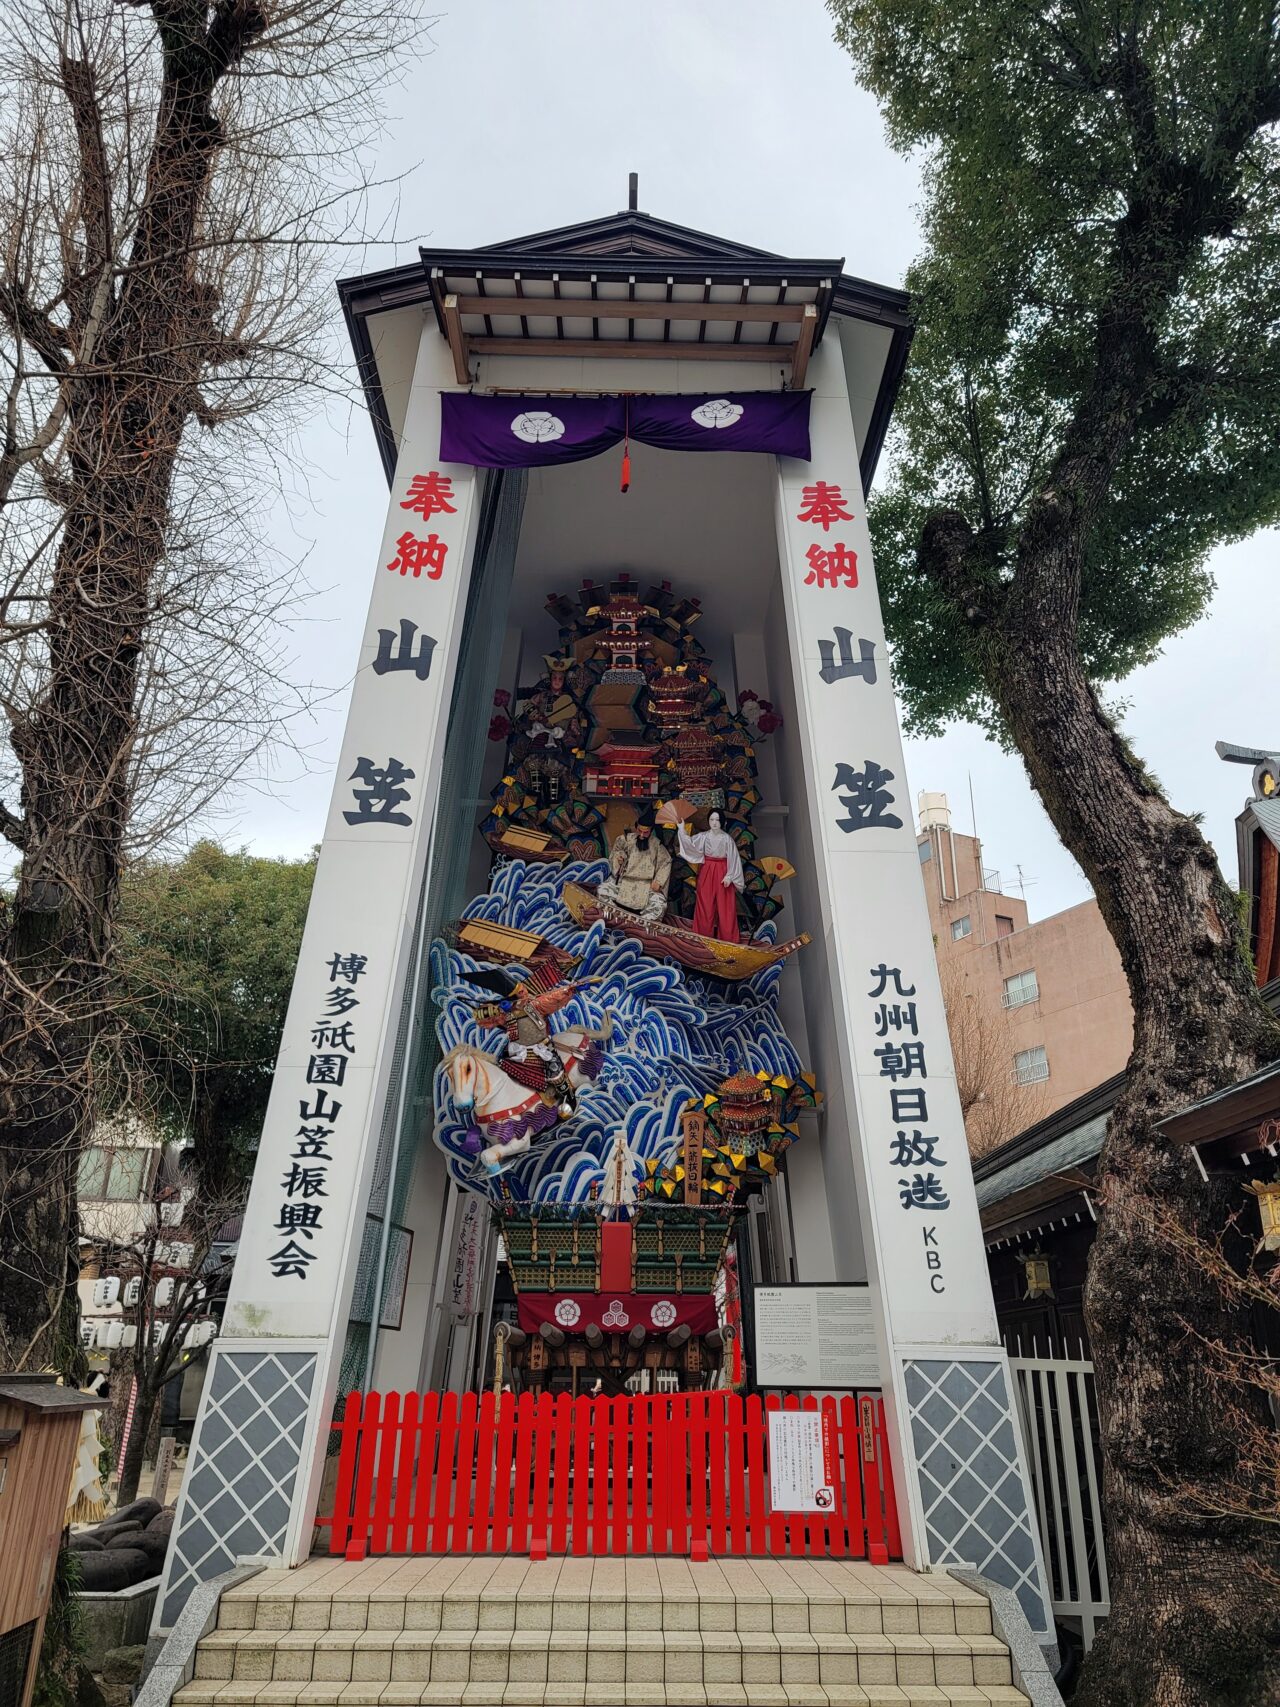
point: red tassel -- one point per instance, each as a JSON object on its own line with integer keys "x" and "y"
{"x": 626, "y": 470}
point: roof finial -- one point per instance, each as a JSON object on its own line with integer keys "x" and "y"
{"x": 633, "y": 191}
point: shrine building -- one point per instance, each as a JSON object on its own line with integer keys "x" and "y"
{"x": 615, "y": 1101}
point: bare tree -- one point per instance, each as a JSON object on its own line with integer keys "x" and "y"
{"x": 173, "y": 175}
{"x": 162, "y": 1249}
{"x": 996, "y": 1107}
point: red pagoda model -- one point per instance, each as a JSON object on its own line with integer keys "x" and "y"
{"x": 623, "y": 770}
{"x": 675, "y": 699}
{"x": 623, "y": 640}
{"x": 696, "y": 751}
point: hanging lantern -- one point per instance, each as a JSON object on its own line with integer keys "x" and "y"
{"x": 1039, "y": 1278}
{"x": 1267, "y": 1193}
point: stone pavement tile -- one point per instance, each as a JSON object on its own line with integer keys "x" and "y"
{"x": 312, "y": 1614}
{"x": 694, "y": 1695}
{"x": 721, "y": 1658}
{"x": 565, "y": 1695}
{"x": 682, "y": 1657}
{"x": 567, "y": 1657}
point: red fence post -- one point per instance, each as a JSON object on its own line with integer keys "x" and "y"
{"x": 425, "y": 1478}
{"x": 485, "y": 1431}
{"x": 756, "y": 1487}
{"x": 464, "y": 1481}
{"x": 406, "y": 1452}
{"x": 543, "y": 1427}
{"x": 562, "y": 1475}
{"x": 581, "y": 1474}
{"x": 348, "y": 1450}
{"x": 362, "y": 1502}
{"x": 893, "y": 1535}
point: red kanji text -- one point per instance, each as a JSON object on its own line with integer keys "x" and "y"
{"x": 430, "y": 495}
{"x": 413, "y": 555}
{"x": 835, "y": 567}
{"x": 823, "y": 504}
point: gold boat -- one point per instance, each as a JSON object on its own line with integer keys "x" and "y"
{"x": 674, "y": 941}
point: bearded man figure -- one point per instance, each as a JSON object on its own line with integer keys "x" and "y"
{"x": 639, "y": 872}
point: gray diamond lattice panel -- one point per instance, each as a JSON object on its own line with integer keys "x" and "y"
{"x": 244, "y": 1463}
{"x": 974, "y": 1497}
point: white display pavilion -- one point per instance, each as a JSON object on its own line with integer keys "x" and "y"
{"x": 627, "y": 304}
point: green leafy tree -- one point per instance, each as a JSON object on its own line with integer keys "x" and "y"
{"x": 204, "y": 956}
{"x": 1091, "y": 408}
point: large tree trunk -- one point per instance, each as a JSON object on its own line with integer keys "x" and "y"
{"x": 1196, "y": 1620}
{"x": 125, "y": 419}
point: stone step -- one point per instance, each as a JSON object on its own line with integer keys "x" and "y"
{"x": 653, "y": 1657}
{"x": 483, "y": 1594}
{"x": 598, "y": 1695}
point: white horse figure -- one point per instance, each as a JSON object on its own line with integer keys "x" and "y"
{"x": 480, "y": 1088}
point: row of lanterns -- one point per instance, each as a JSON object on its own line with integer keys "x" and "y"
{"x": 120, "y": 1336}
{"x": 109, "y": 1292}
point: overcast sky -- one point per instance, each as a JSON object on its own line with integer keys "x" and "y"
{"x": 743, "y": 119}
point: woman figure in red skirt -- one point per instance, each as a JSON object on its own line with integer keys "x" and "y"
{"x": 715, "y": 853}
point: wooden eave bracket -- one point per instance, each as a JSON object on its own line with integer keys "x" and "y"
{"x": 459, "y": 344}
{"x": 803, "y": 346}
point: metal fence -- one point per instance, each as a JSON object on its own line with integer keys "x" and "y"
{"x": 1058, "y": 1408}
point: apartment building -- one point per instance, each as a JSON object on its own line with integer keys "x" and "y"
{"x": 1038, "y": 1010}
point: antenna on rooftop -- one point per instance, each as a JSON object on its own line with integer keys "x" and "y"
{"x": 633, "y": 191}
{"x": 1025, "y": 883}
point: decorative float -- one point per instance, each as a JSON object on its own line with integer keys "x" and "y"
{"x": 614, "y": 1081}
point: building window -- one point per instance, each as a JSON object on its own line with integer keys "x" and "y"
{"x": 961, "y": 928}
{"x": 112, "y": 1176}
{"x": 1021, "y": 989}
{"x": 926, "y": 849}
{"x": 1030, "y": 1066}
{"x": 1004, "y": 927}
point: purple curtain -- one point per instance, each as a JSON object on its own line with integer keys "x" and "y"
{"x": 536, "y": 432}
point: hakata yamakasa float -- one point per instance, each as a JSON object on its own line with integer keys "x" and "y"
{"x": 615, "y": 1095}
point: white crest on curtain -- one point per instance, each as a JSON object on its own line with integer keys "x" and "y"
{"x": 538, "y": 427}
{"x": 717, "y": 412}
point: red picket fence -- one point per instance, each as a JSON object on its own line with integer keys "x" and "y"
{"x": 668, "y": 1473}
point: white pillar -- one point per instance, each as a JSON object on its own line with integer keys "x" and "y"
{"x": 259, "y": 1448}
{"x": 958, "y": 1459}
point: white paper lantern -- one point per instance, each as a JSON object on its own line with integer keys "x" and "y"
{"x": 132, "y": 1292}
{"x": 110, "y": 1335}
{"x": 164, "y": 1291}
{"x": 106, "y": 1291}
{"x": 198, "y": 1334}
{"x": 128, "y": 1335}
{"x": 88, "y": 1335}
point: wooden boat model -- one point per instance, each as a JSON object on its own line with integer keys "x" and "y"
{"x": 671, "y": 940}
{"x": 519, "y": 842}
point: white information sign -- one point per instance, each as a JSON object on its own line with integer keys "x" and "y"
{"x": 801, "y": 1462}
{"x": 815, "y": 1336}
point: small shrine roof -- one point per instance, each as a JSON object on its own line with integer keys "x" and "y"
{"x": 631, "y": 285}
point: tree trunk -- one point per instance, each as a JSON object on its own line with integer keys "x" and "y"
{"x": 136, "y": 1445}
{"x": 1196, "y": 1619}
{"x": 125, "y": 419}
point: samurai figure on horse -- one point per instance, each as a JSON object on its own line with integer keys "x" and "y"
{"x": 521, "y": 1014}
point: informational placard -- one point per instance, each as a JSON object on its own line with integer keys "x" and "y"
{"x": 815, "y": 1337}
{"x": 801, "y": 1462}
